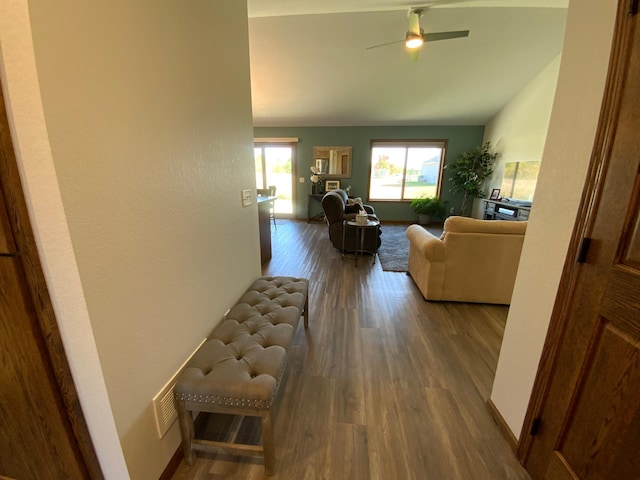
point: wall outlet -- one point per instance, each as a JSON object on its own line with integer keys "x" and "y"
{"x": 301, "y": 180}
{"x": 246, "y": 198}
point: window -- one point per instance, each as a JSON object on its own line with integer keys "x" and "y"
{"x": 519, "y": 180}
{"x": 404, "y": 170}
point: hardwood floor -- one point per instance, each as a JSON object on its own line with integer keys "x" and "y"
{"x": 383, "y": 385}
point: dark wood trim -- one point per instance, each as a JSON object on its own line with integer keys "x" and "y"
{"x": 11, "y": 187}
{"x": 607, "y": 124}
{"x": 174, "y": 463}
{"x": 172, "y": 466}
{"x": 502, "y": 424}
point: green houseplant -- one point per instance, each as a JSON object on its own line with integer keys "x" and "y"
{"x": 429, "y": 208}
{"x": 469, "y": 171}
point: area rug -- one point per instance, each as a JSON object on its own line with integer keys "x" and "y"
{"x": 394, "y": 250}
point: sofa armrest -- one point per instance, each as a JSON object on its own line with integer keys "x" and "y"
{"x": 426, "y": 243}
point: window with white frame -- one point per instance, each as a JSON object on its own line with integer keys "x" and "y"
{"x": 404, "y": 170}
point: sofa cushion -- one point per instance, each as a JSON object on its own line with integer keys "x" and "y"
{"x": 352, "y": 208}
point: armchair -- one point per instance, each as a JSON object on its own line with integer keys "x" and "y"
{"x": 336, "y": 211}
{"x": 473, "y": 261}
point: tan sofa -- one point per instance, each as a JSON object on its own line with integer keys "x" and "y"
{"x": 473, "y": 261}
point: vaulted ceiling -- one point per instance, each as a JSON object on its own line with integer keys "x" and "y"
{"x": 310, "y": 65}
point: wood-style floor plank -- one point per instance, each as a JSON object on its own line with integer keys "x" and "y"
{"x": 383, "y": 385}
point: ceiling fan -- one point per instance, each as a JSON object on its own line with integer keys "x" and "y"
{"x": 415, "y": 36}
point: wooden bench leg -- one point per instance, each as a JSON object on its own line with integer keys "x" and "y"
{"x": 268, "y": 443}
{"x": 186, "y": 430}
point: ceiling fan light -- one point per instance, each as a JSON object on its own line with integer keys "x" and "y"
{"x": 413, "y": 40}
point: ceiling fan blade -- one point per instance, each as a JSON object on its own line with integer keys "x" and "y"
{"x": 434, "y": 37}
{"x": 385, "y": 44}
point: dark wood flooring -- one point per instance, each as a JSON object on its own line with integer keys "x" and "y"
{"x": 383, "y": 385}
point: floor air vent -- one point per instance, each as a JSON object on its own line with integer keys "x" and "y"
{"x": 163, "y": 407}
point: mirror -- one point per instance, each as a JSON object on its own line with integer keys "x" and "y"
{"x": 333, "y": 162}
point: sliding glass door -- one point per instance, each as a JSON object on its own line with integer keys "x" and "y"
{"x": 274, "y": 167}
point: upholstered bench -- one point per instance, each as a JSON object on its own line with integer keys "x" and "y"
{"x": 239, "y": 369}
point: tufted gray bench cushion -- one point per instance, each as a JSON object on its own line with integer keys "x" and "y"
{"x": 239, "y": 369}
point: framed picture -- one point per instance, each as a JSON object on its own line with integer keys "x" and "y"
{"x": 331, "y": 185}
{"x": 495, "y": 194}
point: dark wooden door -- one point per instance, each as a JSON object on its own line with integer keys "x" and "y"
{"x": 34, "y": 440}
{"x": 42, "y": 431}
{"x": 589, "y": 421}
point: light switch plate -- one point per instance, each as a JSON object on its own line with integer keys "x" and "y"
{"x": 301, "y": 179}
{"x": 246, "y": 198}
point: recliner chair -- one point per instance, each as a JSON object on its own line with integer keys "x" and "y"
{"x": 336, "y": 211}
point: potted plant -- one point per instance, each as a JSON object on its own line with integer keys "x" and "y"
{"x": 428, "y": 209}
{"x": 469, "y": 171}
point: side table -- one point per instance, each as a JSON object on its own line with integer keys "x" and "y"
{"x": 311, "y": 199}
{"x": 361, "y": 228}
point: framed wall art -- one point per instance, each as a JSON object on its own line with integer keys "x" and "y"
{"x": 331, "y": 185}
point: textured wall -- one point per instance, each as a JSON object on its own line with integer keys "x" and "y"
{"x": 519, "y": 131}
{"x": 566, "y": 156}
{"x": 147, "y": 107}
{"x": 24, "y": 106}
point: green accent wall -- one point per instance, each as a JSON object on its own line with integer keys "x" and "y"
{"x": 459, "y": 139}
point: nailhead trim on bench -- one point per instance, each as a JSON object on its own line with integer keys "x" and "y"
{"x": 226, "y": 401}
{"x": 232, "y": 401}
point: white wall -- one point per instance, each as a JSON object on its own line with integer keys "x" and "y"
{"x": 148, "y": 117}
{"x": 31, "y": 144}
{"x": 518, "y": 132}
{"x": 563, "y": 171}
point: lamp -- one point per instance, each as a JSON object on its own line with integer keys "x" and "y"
{"x": 413, "y": 40}
{"x": 414, "y": 34}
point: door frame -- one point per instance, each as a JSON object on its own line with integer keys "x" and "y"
{"x": 605, "y": 133}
